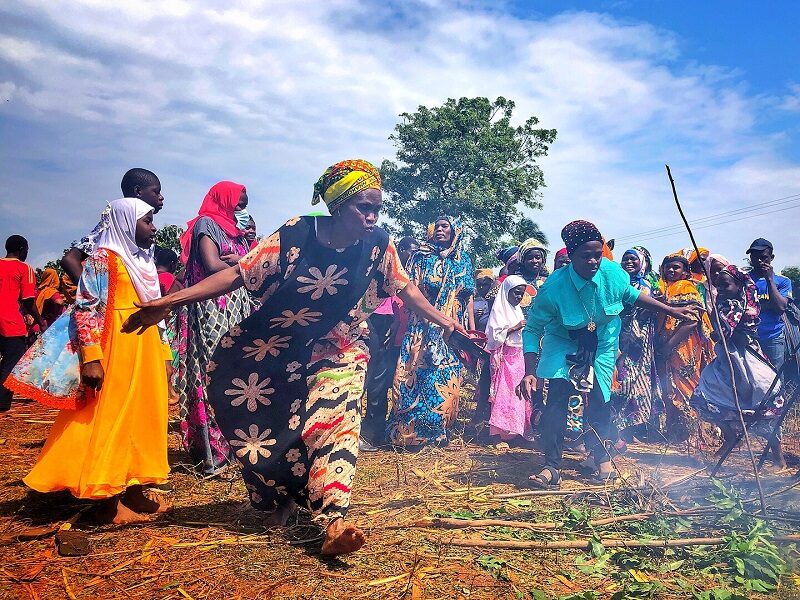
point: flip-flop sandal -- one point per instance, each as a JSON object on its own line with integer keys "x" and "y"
{"x": 554, "y": 483}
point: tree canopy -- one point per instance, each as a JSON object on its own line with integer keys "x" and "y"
{"x": 793, "y": 273}
{"x": 169, "y": 236}
{"x": 465, "y": 159}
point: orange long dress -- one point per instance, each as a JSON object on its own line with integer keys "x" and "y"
{"x": 120, "y": 438}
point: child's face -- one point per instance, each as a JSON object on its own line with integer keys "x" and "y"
{"x": 482, "y": 286}
{"x": 152, "y": 195}
{"x": 516, "y": 294}
{"x": 145, "y": 231}
{"x": 727, "y": 286}
{"x": 674, "y": 271}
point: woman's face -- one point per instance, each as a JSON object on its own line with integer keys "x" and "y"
{"x": 586, "y": 259}
{"x": 443, "y": 232}
{"x": 674, "y": 271}
{"x": 727, "y": 286}
{"x": 715, "y": 269}
{"x": 562, "y": 260}
{"x": 145, "y": 235}
{"x": 533, "y": 261}
{"x": 243, "y": 201}
{"x": 631, "y": 263}
{"x": 359, "y": 215}
{"x": 250, "y": 233}
{"x": 516, "y": 294}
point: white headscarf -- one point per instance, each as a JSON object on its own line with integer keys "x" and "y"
{"x": 120, "y": 238}
{"x": 504, "y": 316}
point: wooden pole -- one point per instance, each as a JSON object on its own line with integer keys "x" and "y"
{"x": 724, "y": 345}
{"x": 608, "y": 543}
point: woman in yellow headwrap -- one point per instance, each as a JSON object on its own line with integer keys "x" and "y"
{"x": 286, "y": 382}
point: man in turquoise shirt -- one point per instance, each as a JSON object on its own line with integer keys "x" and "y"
{"x": 571, "y": 338}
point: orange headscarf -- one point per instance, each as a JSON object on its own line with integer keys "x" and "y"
{"x": 48, "y": 287}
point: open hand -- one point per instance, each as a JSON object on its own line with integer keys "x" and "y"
{"x": 230, "y": 259}
{"x": 691, "y": 312}
{"x": 526, "y": 387}
{"x": 149, "y": 314}
{"x": 92, "y": 375}
{"x": 452, "y": 326}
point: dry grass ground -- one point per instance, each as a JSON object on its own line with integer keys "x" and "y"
{"x": 213, "y": 545}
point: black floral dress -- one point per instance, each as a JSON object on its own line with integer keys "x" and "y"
{"x": 285, "y": 384}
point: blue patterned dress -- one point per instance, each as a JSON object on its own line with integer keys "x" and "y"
{"x": 428, "y": 380}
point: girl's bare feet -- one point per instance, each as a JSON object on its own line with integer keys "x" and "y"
{"x": 135, "y": 499}
{"x": 342, "y": 537}
{"x": 114, "y": 511}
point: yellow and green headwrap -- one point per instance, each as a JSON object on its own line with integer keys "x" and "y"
{"x": 344, "y": 180}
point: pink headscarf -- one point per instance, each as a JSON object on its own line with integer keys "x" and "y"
{"x": 220, "y": 205}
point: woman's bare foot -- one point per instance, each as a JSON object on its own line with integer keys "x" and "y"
{"x": 114, "y": 511}
{"x": 342, "y": 537}
{"x": 135, "y": 499}
{"x": 279, "y": 516}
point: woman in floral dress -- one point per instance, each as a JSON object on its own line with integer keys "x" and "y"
{"x": 286, "y": 382}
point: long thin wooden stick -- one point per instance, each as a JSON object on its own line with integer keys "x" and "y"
{"x": 608, "y": 543}
{"x": 724, "y": 345}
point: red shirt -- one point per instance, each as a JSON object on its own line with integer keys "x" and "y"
{"x": 165, "y": 281}
{"x": 17, "y": 282}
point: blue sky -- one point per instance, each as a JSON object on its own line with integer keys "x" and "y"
{"x": 270, "y": 93}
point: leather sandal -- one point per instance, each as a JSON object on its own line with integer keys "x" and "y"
{"x": 541, "y": 482}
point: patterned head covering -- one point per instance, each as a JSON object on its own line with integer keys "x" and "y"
{"x": 675, "y": 257}
{"x": 649, "y": 274}
{"x": 342, "y": 181}
{"x": 453, "y": 249}
{"x": 506, "y": 254}
{"x": 577, "y": 233}
{"x": 741, "y": 312}
{"x": 638, "y": 279}
{"x": 531, "y": 244}
{"x": 484, "y": 274}
{"x": 559, "y": 254}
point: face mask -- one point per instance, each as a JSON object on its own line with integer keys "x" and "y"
{"x": 242, "y": 219}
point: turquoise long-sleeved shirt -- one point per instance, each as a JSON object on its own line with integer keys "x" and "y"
{"x": 565, "y": 302}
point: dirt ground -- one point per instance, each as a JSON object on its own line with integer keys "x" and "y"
{"x": 213, "y": 544}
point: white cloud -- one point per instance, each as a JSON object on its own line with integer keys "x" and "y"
{"x": 271, "y": 93}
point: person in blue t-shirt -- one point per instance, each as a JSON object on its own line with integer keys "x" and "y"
{"x": 774, "y": 292}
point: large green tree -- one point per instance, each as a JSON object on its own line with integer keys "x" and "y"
{"x": 465, "y": 159}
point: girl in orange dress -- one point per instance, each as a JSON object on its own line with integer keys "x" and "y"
{"x": 684, "y": 348}
{"x": 110, "y": 439}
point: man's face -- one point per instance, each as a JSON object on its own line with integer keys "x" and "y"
{"x": 761, "y": 260}
{"x": 23, "y": 254}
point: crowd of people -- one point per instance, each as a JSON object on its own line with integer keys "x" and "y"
{"x": 290, "y": 354}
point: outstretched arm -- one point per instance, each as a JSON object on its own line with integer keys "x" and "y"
{"x": 415, "y": 301}
{"x": 683, "y": 313}
{"x": 154, "y": 312}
